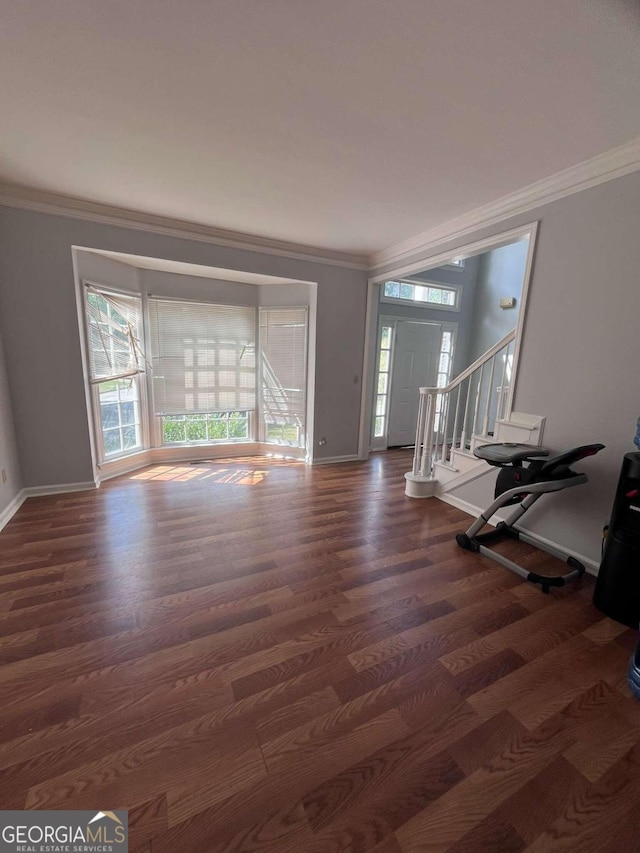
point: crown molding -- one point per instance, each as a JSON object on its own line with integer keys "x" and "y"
{"x": 590, "y": 173}
{"x": 598, "y": 170}
{"x": 40, "y": 201}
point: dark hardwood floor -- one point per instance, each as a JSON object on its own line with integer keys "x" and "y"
{"x": 252, "y": 655}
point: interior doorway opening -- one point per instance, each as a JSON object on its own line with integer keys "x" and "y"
{"x": 476, "y": 295}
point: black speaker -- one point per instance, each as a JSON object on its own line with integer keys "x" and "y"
{"x": 617, "y": 592}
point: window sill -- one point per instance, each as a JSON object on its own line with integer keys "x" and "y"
{"x": 190, "y": 445}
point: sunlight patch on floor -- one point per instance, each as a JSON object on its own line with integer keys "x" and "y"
{"x": 186, "y": 473}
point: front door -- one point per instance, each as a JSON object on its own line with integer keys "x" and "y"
{"x": 415, "y": 364}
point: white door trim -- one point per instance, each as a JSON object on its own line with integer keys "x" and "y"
{"x": 382, "y": 442}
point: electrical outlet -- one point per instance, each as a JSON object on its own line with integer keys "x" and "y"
{"x": 4, "y": 475}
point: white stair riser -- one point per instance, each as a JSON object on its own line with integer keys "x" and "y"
{"x": 445, "y": 473}
{"x": 521, "y": 429}
{"x": 479, "y": 440}
{"x": 463, "y": 461}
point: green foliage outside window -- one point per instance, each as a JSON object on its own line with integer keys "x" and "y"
{"x": 203, "y": 427}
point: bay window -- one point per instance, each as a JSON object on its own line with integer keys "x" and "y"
{"x": 213, "y": 374}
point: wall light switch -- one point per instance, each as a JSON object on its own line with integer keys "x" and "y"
{"x": 508, "y": 302}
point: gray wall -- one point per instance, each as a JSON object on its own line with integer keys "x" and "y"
{"x": 500, "y": 273}
{"x": 157, "y": 283}
{"x": 100, "y": 270}
{"x": 286, "y": 295}
{"x": 38, "y": 320}
{"x": 580, "y": 355}
{"x": 8, "y": 447}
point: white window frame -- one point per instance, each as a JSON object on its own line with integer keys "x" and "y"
{"x": 103, "y": 459}
{"x": 262, "y": 426}
{"x": 457, "y": 265}
{"x": 93, "y": 387}
{"x": 209, "y": 442}
{"x": 380, "y": 442}
{"x": 433, "y": 306}
{"x": 148, "y": 343}
{"x": 157, "y": 438}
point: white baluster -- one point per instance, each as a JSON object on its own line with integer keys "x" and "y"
{"x": 428, "y": 440}
{"x": 465, "y": 420}
{"x": 455, "y": 419}
{"x": 502, "y": 381}
{"x": 509, "y": 380}
{"x": 474, "y": 430}
{"x": 425, "y": 437}
{"x": 417, "y": 451}
{"x": 432, "y": 436}
{"x": 485, "y": 422}
{"x": 446, "y": 406}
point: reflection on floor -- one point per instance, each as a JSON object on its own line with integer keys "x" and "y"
{"x": 243, "y": 476}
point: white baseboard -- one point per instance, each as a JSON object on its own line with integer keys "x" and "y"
{"x": 9, "y": 511}
{"x": 123, "y": 466}
{"x": 590, "y": 565}
{"x": 40, "y": 491}
{"x": 58, "y": 489}
{"x": 157, "y": 456}
{"x": 330, "y": 460}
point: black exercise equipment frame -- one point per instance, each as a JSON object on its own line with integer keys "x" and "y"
{"x": 540, "y": 477}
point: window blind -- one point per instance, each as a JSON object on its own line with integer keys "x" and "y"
{"x": 114, "y": 327}
{"x": 203, "y": 357}
{"x": 283, "y": 351}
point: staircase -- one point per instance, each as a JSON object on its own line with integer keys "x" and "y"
{"x": 473, "y": 409}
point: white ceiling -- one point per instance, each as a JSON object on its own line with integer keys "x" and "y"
{"x": 342, "y": 124}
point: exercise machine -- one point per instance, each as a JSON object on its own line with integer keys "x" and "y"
{"x": 524, "y": 484}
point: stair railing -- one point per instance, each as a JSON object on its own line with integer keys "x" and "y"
{"x": 449, "y": 417}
